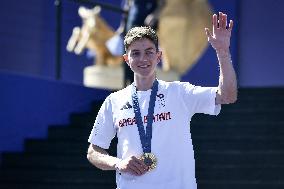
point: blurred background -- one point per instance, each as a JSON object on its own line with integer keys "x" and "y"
{"x": 42, "y": 84}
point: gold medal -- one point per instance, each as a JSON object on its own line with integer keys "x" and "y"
{"x": 150, "y": 160}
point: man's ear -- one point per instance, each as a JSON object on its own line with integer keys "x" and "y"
{"x": 125, "y": 57}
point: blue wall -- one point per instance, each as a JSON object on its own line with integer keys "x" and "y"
{"x": 261, "y": 52}
{"x": 22, "y": 34}
{"x": 28, "y": 105}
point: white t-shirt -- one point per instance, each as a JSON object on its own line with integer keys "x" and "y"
{"x": 176, "y": 103}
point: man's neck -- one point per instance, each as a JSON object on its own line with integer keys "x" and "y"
{"x": 144, "y": 84}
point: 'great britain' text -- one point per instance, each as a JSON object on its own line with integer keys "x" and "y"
{"x": 157, "y": 117}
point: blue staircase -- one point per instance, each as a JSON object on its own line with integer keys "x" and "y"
{"x": 243, "y": 147}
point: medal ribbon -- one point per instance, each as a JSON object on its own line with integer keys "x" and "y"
{"x": 145, "y": 137}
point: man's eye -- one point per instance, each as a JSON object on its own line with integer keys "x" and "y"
{"x": 135, "y": 54}
{"x": 149, "y": 52}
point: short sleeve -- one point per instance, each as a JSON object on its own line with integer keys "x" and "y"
{"x": 103, "y": 130}
{"x": 200, "y": 99}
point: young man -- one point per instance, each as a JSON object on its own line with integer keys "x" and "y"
{"x": 151, "y": 117}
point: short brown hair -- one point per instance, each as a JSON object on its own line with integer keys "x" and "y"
{"x": 138, "y": 33}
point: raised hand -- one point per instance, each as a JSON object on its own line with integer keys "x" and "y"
{"x": 220, "y": 38}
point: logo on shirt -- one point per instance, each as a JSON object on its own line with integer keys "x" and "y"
{"x": 161, "y": 100}
{"x": 126, "y": 106}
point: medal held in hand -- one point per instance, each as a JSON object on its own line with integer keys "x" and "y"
{"x": 150, "y": 160}
{"x": 145, "y": 137}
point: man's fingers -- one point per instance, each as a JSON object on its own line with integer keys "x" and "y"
{"x": 136, "y": 166}
{"x": 140, "y": 169}
{"x": 133, "y": 170}
{"x": 231, "y": 25}
{"x": 141, "y": 164}
{"x": 214, "y": 22}
{"x": 208, "y": 33}
{"x": 222, "y": 20}
{"x": 225, "y": 21}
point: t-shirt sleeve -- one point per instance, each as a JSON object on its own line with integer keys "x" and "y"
{"x": 200, "y": 99}
{"x": 103, "y": 130}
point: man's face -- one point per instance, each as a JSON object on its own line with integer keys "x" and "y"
{"x": 142, "y": 57}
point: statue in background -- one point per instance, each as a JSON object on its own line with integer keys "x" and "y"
{"x": 93, "y": 35}
{"x": 180, "y": 24}
{"x": 181, "y": 33}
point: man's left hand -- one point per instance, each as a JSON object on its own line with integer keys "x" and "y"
{"x": 220, "y": 38}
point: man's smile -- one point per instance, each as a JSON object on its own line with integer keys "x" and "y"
{"x": 143, "y": 66}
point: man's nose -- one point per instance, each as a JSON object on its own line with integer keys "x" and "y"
{"x": 143, "y": 57}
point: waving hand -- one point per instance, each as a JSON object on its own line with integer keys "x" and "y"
{"x": 220, "y": 38}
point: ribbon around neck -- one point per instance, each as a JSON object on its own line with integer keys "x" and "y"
{"x": 145, "y": 137}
